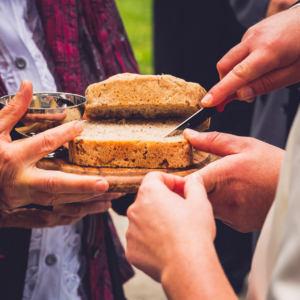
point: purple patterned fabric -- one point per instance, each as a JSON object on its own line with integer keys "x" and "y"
{"x": 87, "y": 41}
{"x": 3, "y": 90}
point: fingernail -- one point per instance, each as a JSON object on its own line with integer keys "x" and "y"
{"x": 207, "y": 99}
{"x": 247, "y": 93}
{"x": 79, "y": 126}
{"x": 22, "y": 87}
{"x": 191, "y": 133}
{"x": 101, "y": 186}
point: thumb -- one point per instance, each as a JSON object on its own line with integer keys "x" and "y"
{"x": 16, "y": 108}
{"x": 221, "y": 144}
{"x": 194, "y": 188}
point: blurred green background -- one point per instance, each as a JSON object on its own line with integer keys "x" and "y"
{"x": 137, "y": 18}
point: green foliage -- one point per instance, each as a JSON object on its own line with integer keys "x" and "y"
{"x": 137, "y": 18}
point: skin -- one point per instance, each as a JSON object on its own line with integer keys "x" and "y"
{"x": 62, "y": 214}
{"x": 276, "y": 6}
{"x": 267, "y": 59}
{"x": 176, "y": 246}
{"x": 242, "y": 185}
{"x": 21, "y": 183}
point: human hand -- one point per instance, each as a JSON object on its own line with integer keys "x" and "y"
{"x": 276, "y": 6}
{"x": 62, "y": 214}
{"x": 21, "y": 183}
{"x": 241, "y": 186}
{"x": 162, "y": 224}
{"x": 267, "y": 59}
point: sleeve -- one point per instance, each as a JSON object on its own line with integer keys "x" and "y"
{"x": 249, "y": 12}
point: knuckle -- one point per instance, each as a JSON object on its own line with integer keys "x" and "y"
{"x": 52, "y": 187}
{"x": 145, "y": 190}
{"x": 267, "y": 84}
{"x": 213, "y": 136}
{"x": 130, "y": 212}
{"x": 221, "y": 66}
{"x": 8, "y": 158}
{"x": 49, "y": 141}
{"x": 240, "y": 71}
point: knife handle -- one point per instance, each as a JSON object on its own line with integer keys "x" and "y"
{"x": 220, "y": 107}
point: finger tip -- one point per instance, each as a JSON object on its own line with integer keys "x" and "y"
{"x": 207, "y": 100}
{"x": 78, "y": 126}
{"x": 190, "y": 134}
{"x": 101, "y": 186}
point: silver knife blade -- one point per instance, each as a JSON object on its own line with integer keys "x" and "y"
{"x": 194, "y": 121}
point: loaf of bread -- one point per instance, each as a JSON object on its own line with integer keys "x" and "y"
{"x": 143, "y": 96}
{"x": 130, "y": 144}
{"x": 136, "y": 112}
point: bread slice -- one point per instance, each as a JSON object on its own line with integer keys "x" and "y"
{"x": 143, "y": 96}
{"x": 130, "y": 144}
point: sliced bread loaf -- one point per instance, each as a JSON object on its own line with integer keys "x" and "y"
{"x": 143, "y": 96}
{"x": 130, "y": 144}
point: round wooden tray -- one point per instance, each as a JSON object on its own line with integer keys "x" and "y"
{"x": 123, "y": 180}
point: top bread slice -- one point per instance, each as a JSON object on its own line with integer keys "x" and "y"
{"x": 126, "y": 96}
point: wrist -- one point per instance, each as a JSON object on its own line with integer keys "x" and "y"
{"x": 179, "y": 274}
{"x": 196, "y": 274}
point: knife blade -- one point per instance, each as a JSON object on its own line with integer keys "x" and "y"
{"x": 194, "y": 121}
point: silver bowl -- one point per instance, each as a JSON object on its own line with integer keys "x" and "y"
{"x": 48, "y": 110}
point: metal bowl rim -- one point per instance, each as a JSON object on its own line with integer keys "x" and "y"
{"x": 51, "y": 94}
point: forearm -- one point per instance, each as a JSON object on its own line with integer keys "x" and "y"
{"x": 196, "y": 275}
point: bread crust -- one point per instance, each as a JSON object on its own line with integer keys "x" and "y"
{"x": 147, "y": 96}
{"x": 131, "y": 154}
{"x": 132, "y": 97}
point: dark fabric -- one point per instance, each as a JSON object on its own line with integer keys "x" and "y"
{"x": 249, "y": 12}
{"x": 3, "y": 90}
{"x": 121, "y": 204}
{"x": 113, "y": 260}
{"x": 14, "y": 246}
{"x": 190, "y": 38}
{"x": 87, "y": 41}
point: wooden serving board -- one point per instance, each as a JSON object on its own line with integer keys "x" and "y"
{"x": 123, "y": 180}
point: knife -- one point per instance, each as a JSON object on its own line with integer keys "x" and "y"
{"x": 194, "y": 121}
{"x": 199, "y": 117}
